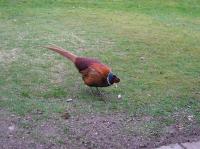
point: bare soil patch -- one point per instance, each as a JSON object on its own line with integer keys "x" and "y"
{"x": 85, "y": 131}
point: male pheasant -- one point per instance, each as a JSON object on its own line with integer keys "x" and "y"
{"x": 94, "y": 73}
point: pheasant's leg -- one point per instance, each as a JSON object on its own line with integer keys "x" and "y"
{"x": 92, "y": 91}
{"x": 100, "y": 94}
{"x": 98, "y": 91}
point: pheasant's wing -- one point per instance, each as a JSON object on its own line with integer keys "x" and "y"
{"x": 95, "y": 75}
{"x": 83, "y": 63}
{"x": 91, "y": 77}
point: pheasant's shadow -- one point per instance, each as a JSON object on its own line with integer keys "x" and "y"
{"x": 101, "y": 94}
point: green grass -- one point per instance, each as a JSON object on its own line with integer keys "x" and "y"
{"x": 153, "y": 46}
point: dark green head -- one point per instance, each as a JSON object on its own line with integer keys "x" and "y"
{"x": 111, "y": 79}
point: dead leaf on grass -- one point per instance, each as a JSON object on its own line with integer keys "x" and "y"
{"x": 65, "y": 115}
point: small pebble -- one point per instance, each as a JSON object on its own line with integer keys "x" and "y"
{"x": 149, "y": 95}
{"x": 119, "y": 96}
{"x": 190, "y": 117}
{"x": 11, "y": 128}
{"x": 68, "y": 100}
{"x": 142, "y": 58}
{"x": 96, "y": 133}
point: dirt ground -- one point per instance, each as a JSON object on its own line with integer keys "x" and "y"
{"x": 84, "y": 131}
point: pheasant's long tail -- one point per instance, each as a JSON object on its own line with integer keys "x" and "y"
{"x": 62, "y": 52}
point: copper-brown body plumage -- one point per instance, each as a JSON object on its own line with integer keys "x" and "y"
{"x": 94, "y": 73}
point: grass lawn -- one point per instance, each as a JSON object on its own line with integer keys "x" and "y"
{"x": 153, "y": 46}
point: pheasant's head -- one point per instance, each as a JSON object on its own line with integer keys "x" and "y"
{"x": 116, "y": 79}
{"x": 111, "y": 79}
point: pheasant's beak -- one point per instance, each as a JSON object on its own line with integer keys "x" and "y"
{"x": 117, "y": 80}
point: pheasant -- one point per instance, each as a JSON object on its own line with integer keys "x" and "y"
{"x": 94, "y": 73}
